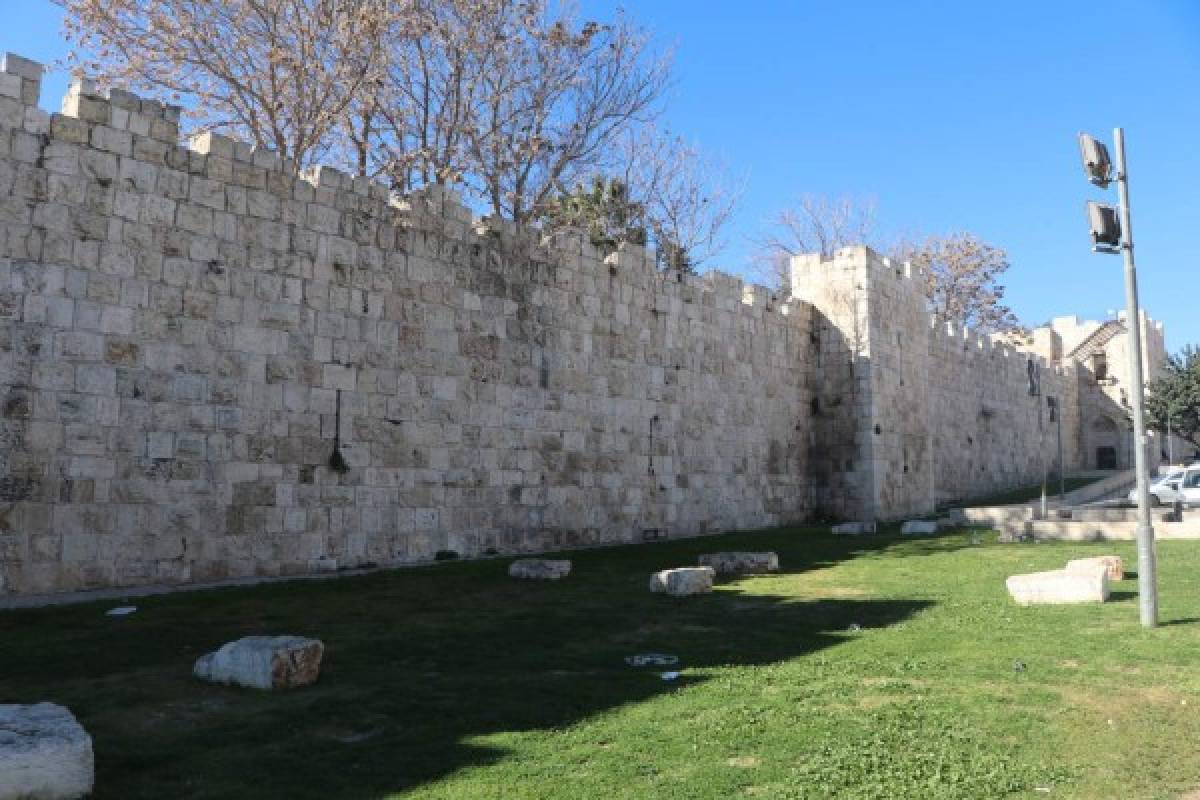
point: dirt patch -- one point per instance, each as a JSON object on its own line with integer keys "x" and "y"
{"x": 1116, "y": 703}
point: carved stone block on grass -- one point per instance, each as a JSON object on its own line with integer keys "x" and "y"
{"x": 683, "y": 581}
{"x": 1111, "y": 564}
{"x": 1059, "y": 587}
{"x": 740, "y": 563}
{"x": 44, "y": 753}
{"x": 919, "y": 527}
{"x": 263, "y": 662}
{"x": 853, "y": 528}
{"x": 539, "y": 569}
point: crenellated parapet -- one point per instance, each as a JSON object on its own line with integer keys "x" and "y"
{"x": 115, "y": 135}
{"x": 216, "y": 364}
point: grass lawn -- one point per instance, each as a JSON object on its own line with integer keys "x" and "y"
{"x": 1026, "y": 493}
{"x": 875, "y": 667}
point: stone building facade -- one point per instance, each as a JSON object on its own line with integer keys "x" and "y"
{"x": 212, "y": 367}
{"x": 1101, "y": 351}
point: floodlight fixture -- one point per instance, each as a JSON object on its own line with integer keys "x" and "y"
{"x": 1114, "y": 234}
{"x": 1105, "y": 227}
{"x": 1096, "y": 163}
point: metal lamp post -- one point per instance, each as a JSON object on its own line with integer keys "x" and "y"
{"x": 1056, "y": 417}
{"x": 1170, "y": 444}
{"x": 1114, "y": 234}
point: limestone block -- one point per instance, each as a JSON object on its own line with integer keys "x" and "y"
{"x": 45, "y": 754}
{"x": 263, "y": 662}
{"x": 919, "y": 526}
{"x": 853, "y": 528}
{"x": 539, "y": 569}
{"x": 683, "y": 581}
{"x": 1111, "y": 564}
{"x": 740, "y": 563}
{"x": 14, "y": 64}
{"x": 1059, "y": 586}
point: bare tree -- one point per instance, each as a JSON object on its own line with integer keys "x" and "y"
{"x": 554, "y": 102}
{"x": 687, "y": 197}
{"x": 962, "y": 281}
{"x": 414, "y": 123}
{"x": 816, "y": 224}
{"x": 514, "y": 99}
{"x": 279, "y": 73}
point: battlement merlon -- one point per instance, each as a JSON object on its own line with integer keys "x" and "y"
{"x": 21, "y": 79}
{"x": 129, "y": 134}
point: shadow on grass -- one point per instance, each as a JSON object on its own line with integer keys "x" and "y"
{"x": 419, "y": 664}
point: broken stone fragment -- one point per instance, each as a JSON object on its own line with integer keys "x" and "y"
{"x": 44, "y": 753}
{"x": 919, "y": 526}
{"x": 683, "y": 581}
{"x": 740, "y": 563}
{"x": 1111, "y": 564}
{"x": 539, "y": 569}
{"x": 263, "y": 662}
{"x": 853, "y": 528}
{"x": 1059, "y": 587}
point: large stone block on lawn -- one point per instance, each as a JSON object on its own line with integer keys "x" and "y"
{"x": 539, "y": 569}
{"x": 683, "y": 581}
{"x": 1110, "y": 564}
{"x": 919, "y": 527}
{"x": 1059, "y": 587}
{"x": 853, "y": 528}
{"x": 45, "y": 754}
{"x": 263, "y": 662}
{"x": 740, "y": 563}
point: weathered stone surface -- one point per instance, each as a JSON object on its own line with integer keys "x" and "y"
{"x": 263, "y": 662}
{"x": 204, "y": 314}
{"x": 740, "y": 563}
{"x": 540, "y": 569}
{"x": 1110, "y": 564}
{"x": 919, "y": 527}
{"x": 45, "y": 754}
{"x": 1059, "y": 586}
{"x": 853, "y": 528}
{"x": 683, "y": 581}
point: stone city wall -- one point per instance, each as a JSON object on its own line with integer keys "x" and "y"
{"x": 211, "y": 367}
{"x": 189, "y": 334}
{"x": 932, "y": 414}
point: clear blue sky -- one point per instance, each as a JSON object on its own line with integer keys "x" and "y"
{"x": 951, "y": 115}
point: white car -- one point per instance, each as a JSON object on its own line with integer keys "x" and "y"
{"x": 1172, "y": 486}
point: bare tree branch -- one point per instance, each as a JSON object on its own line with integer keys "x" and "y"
{"x": 816, "y": 224}
{"x": 279, "y": 73}
{"x": 687, "y": 197}
{"x": 962, "y": 276}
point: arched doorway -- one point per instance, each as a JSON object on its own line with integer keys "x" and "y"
{"x": 1106, "y": 442}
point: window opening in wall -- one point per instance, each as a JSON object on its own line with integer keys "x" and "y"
{"x": 1100, "y": 366}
